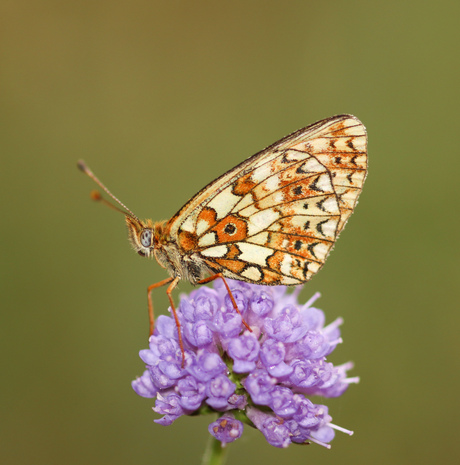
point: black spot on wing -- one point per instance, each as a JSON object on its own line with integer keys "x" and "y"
{"x": 319, "y": 227}
{"x": 311, "y": 248}
{"x": 302, "y": 169}
{"x": 305, "y": 269}
{"x": 320, "y": 204}
{"x": 314, "y": 185}
{"x": 297, "y": 190}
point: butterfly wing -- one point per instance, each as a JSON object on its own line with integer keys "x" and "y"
{"x": 274, "y": 218}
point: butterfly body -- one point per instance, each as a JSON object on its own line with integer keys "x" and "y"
{"x": 271, "y": 220}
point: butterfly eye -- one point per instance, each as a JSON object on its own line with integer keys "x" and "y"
{"x": 146, "y": 237}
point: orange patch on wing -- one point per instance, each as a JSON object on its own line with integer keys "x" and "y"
{"x": 231, "y": 229}
{"x": 233, "y": 252}
{"x": 294, "y": 173}
{"x": 338, "y": 129}
{"x": 236, "y": 266}
{"x": 274, "y": 261}
{"x": 209, "y": 215}
{"x": 343, "y": 160}
{"x": 296, "y": 245}
{"x": 306, "y": 226}
{"x": 301, "y": 190}
{"x": 187, "y": 241}
{"x": 270, "y": 277}
{"x": 243, "y": 184}
{"x": 297, "y": 267}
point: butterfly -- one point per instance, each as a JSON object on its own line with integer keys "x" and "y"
{"x": 271, "y": 220}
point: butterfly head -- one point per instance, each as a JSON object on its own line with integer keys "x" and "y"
{"x": 143, "y": 235}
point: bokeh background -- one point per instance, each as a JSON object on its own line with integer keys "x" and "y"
{"x": 162, "y": 97}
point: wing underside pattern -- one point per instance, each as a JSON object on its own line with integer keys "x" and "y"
{"x": 274, "y": 218}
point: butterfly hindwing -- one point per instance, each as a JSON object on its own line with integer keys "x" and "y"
{"x": 274, "y": 218}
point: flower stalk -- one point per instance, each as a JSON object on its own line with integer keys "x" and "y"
{"x": 215, "y": 453}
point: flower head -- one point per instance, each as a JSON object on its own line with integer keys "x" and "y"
{"x": 259, "y": 377}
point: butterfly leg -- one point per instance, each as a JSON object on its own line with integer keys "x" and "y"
{"x": 149, "y": 298}
{"x": 219, "y": 275}
{"x": 178, "y": 325}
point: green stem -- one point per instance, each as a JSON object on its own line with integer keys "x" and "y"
{"x": 214, "y": 454}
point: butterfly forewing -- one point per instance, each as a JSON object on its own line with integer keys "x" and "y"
{"x": 274, "y": 218}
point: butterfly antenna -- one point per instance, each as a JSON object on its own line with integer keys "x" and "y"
{"x": 95, "y": 195}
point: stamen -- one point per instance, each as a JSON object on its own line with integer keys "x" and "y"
{"x": 296, "y": 291}
{"x": 346, "y": 366}
{"x": 320, "y": 443}
{"x": 339, "y": 428}
{"x": 335, "y": 324}
{"x": 313, "y": 299}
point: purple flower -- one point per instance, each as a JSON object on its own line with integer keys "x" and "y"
{"x": 282, "y": 402}
{"x": 304, "y": 374}
{"x": 273, "y": 428}
{"x": 206, "y": 366}
{"x": 227, "y": 323}
{"x": 259, "y": 384}
{"x": 168, "y": 404}
{"x": 272, "y": 355}
{"x": 244, "y": 350}
{"x": 192, "y": 393}
{"x": 201, "y": 305}
{"x": 240, "y": 299}
{"x": 288, "y": 326}
{"x": 226, "y": 429}
{"x": 219, "y": 390}
{"x": 259, "y": 377}
{"x": 262, "y": 303}
{"x": 198, "y": 334}
{"x": 144, "y": 385}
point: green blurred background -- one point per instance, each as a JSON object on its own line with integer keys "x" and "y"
{"x": 162, "y": 97}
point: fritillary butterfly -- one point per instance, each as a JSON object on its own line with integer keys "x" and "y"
{"x": 272, "y": 220}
